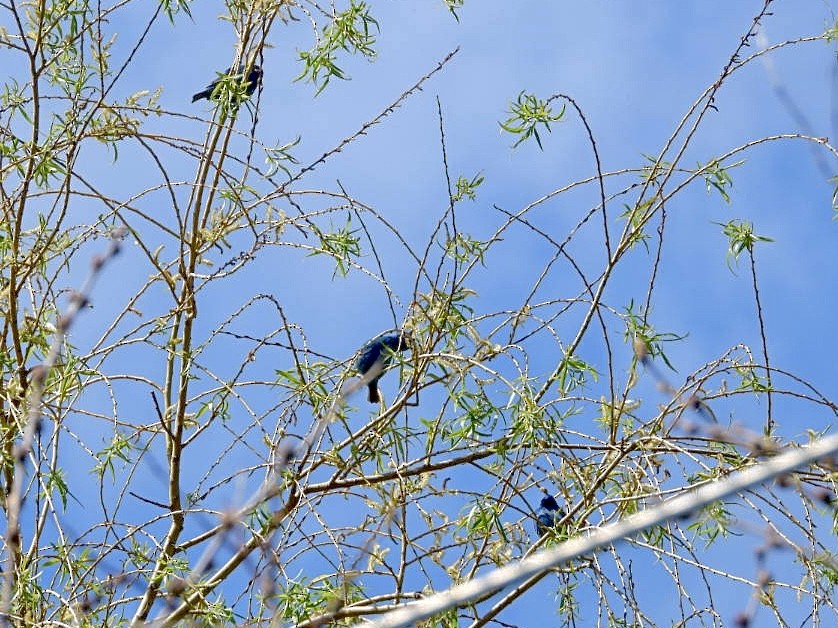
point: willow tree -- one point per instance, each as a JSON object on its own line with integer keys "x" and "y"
{"x": 184, "y": 287}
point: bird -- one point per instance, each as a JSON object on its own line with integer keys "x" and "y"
{"x": 548, "y": 515}
{"x": 377, "y": 355}
{"x": 254, "y": 79}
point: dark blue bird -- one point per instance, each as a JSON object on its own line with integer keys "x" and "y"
{"x": 547, "y": 516}
{"x": 254, "y": 79}
{"x": 377, "y": 355}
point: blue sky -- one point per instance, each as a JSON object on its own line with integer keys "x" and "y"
{"x": 634, "y": 69}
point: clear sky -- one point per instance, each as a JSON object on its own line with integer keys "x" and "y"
{"x": 634, "y": 68}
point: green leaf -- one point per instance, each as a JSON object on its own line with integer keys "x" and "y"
{"x": 741, "y": 237}
{"x": 341, "y": 244}
{"x": 639, "y": 331}
{"x": 717, "y": 178}
{"x": 173, "y": 7}
{"x": 453, "y": 5}
{"x": 526, "y": 114}
{"x": 467, "y": 188}
{"x": 118, "y": 449}
{"x": 350, "y": 31}
{"x": 54, "y": 480}
{"x": 573, "y": 372}
{"x": 713, "y": 521}
{"x": 276, "y": 157}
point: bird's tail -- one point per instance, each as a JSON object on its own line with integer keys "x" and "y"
{"x": 374, "y": 397}
{"x": 200, "y": 95}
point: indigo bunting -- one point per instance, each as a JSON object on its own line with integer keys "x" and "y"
{"x": 547, "y": 516}
{"x": 254, "y": 78}
{"x": 377, "y": 355}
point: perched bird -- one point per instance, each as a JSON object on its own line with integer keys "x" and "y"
{"x": 548, "y": 515}
{"x": 254, "y": 79}
{"x": 377, "y": 355}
